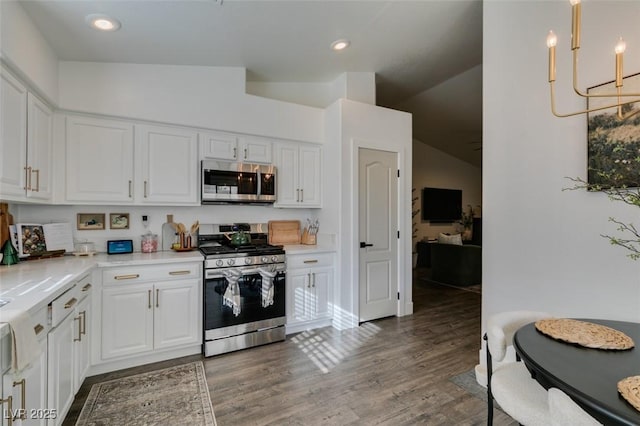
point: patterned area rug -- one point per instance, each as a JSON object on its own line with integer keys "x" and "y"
{"x": 171, "y": 396}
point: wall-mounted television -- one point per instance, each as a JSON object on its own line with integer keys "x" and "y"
{"x": 441, "y": 205}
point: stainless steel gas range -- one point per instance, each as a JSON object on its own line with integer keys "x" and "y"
{"x": 244, "y": 287}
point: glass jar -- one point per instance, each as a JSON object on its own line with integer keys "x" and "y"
{"x": 149, "y": 243}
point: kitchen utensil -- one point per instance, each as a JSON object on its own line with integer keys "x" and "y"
{"x": 194, "y": 227}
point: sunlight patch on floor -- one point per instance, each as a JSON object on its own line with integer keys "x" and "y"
{"x": 326, "y": 349}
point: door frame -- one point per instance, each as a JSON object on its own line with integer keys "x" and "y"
{"x": 405, "y": 303}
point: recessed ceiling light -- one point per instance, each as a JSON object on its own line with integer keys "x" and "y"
{"x": 340, "y": 44}
{"x": 102, "y": 22}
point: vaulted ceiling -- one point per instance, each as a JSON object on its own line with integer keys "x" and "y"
{"x": 426, "y": 54}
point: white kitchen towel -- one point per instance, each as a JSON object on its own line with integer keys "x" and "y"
{"x": 267, "y": 286}
{"x": 231, "y": 297}
{"x": 24, "y": 343}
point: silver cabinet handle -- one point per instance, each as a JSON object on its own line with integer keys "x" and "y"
{"x": 145, "y": 189}
{"x": 245, "y": 153}
{"x": 70, "y": 303}
{"x": 23, "y": 395}
{"x": 297, "y": 195}
{"x": 234, "y": 153}
{"x": 149, "y": 299}
{"x": 302, "y": 195}
{"x": 127, "y": 277}
{"x": 83, "y": 328}
{"x": 313, "y": 275}
{"x": 309, "y": 282}
{"x": 27, "y": 178}
{"x": 9, "y": 401}
{"x": 79, "y": 319}
{"x": 157, "y": 298}
{"x": 130, "y": 182}
{"x": 37, "y": 172}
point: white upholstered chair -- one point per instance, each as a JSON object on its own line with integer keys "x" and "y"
{"x": 565, "y": 412}
{"x": 510, "y": 383}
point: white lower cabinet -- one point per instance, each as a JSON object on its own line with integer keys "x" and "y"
{"x": 140, "y": 317}
{"x": 68, "y": 348}
{"x": 310, "y": 281}
{"x": 32, "y": 385}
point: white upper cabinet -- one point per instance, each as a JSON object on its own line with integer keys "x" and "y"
{"x": 226, "y": 146}
{"x": 299, "y": 176}
{"x": 169, "y": 165}
{"x": 39, "y": 149}
{"x": 100, "y": 156}
{"x": 26, "y": 143}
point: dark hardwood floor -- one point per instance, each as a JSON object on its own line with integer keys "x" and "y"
{"x": 393, "y": 371}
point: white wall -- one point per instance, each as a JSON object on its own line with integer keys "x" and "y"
{"x": 436, "y": 169}
{"x": 208, "y": 97}
{"x": 542, "y": 247}
{"x": 373, "y": 127}
{"x": 24, "y": 48}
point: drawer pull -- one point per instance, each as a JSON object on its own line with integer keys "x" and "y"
{"x": 179, "y": 272}
{"x": 86, "y": 287}
{"x": 70, "y": 303}
{"x": 311, "y": 261}
{"x": 38, "y": 328}
{"x": 127, "y": 277}
{"x": 79, "y": 319}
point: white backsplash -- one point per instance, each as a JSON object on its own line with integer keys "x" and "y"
{"x": 156, "y": 217}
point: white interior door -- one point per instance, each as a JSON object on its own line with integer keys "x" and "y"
{"x": 378, "y": 217}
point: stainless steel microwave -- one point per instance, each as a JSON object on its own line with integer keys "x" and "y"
{"x": 225, "y": 182}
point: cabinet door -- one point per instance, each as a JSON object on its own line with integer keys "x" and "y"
{"x": 254, "y": 150}
{"x": 39, "y": 139}
{"x": 83, "y": 342}
{"x": 298, "y": 300}
{"x": 13, "y": 136}
{"x": 99, "y": 157}
{"x": 61, "y": 367}
{"x": 127, "y": 320}
{"x": 34, "y": 380}
{"x": 219, "y": 145}
{"x": 322, "y": 285}
{"x": 170, "y": 169}
{"x": 287, "y": 168}
{"x": 177, "y": 316}
{"x": 310, "y": 177}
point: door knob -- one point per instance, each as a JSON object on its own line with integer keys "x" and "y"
{"x": 363, "y": 244}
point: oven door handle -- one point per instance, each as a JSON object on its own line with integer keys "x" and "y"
{"x": 248, "y": 270}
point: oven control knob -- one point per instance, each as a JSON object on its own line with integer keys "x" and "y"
{"x": 274, "y": 258}
{"x": 265, "y": 259}
{"x": 219, "y": 262}
{"x": 231, "y": 261}
{"x": 248, "y": 261}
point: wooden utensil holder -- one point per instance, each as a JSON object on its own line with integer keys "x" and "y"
{"x": 307, "y": 238}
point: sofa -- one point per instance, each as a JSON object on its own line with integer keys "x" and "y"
{"x": 459, "y": 265}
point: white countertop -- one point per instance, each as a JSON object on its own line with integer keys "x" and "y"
{"x": 31, "y": 285}
{"x": 306, "y": 249}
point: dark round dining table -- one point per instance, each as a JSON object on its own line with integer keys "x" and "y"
{"x": 588, "y": 376}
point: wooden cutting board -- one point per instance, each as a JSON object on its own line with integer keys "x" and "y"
{"x": 5, "y": 221}
{"x": 284, "y": 232}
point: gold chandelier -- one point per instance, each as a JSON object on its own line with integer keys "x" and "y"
{"x": 619, "y": 95}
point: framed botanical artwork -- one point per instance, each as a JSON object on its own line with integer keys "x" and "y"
{"x": 614, "y": 144}
{"x": 119, "y": 220}
{"x": 90, "y": 221}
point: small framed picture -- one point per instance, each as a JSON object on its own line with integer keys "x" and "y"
{"x": 119, "y": 220}
{"x": 90, "y": 221}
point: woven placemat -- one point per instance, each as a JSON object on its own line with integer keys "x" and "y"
{"x": 584, "y": 333}
{"x": 629, "y": 388}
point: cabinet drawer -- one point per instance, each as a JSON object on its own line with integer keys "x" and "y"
{"x": 64, "y": 305}
{"x": 40, "y": 323}
{"x": 84, "y": 286}
{"x": 311, "y": 260}
{"x": 125, "y": 275}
